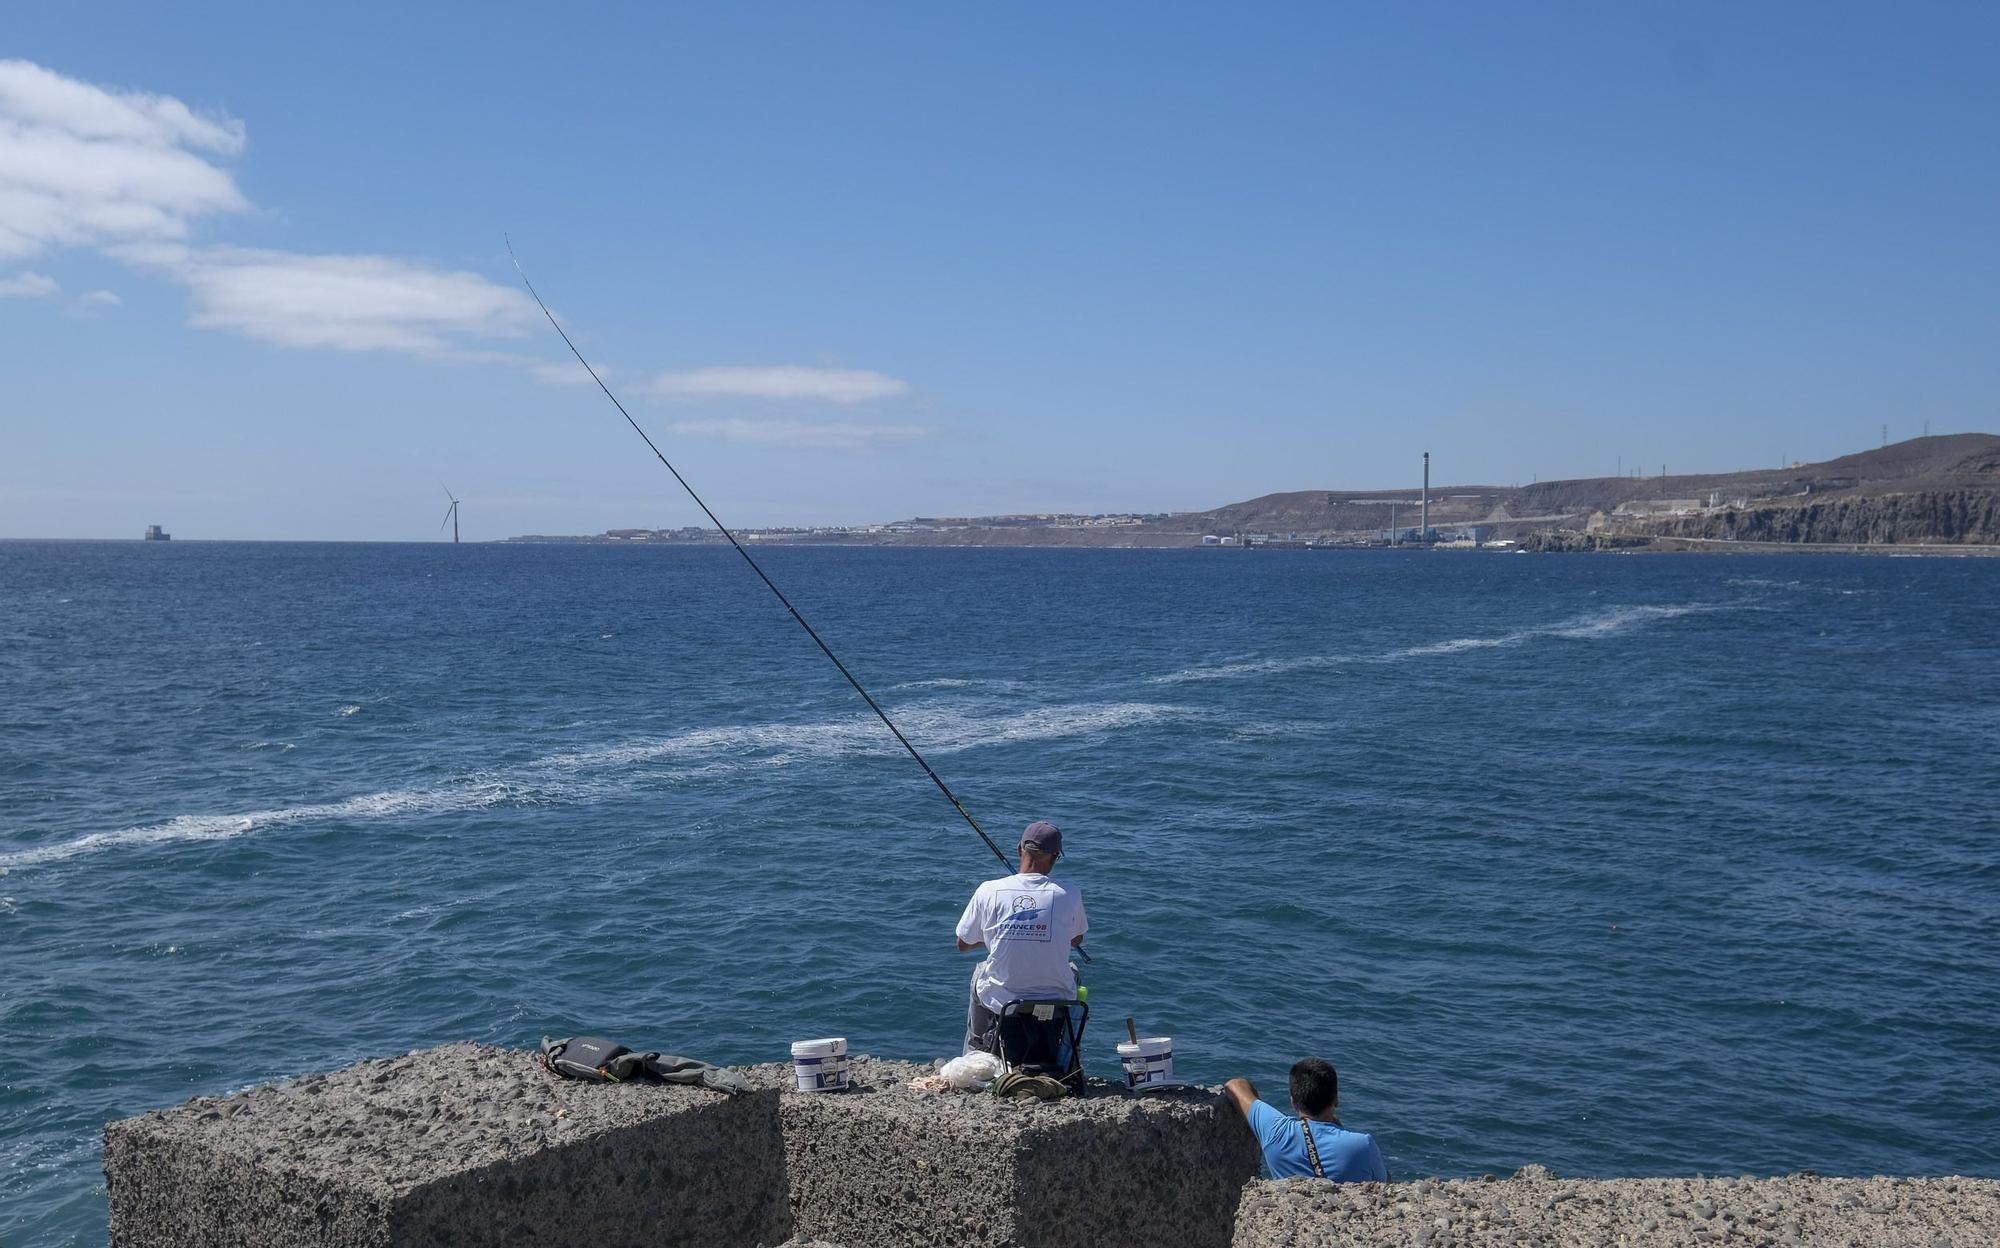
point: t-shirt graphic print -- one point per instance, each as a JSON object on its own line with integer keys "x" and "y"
{"x": 1025, "y": 918}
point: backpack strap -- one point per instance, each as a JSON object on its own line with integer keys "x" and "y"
{"x": 667, "y": 1068}
{"x": 1312, "y": 1149}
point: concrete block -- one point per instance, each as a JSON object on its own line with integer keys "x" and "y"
{"x": 465, "y": 1144}
{"x": 883, "y": 1166}
{"x": 1534, "y": 1207}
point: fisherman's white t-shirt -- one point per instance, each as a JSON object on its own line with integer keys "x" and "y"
{"x": 1027, "y": 922}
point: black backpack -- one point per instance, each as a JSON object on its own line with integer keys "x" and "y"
{"x": 590, "y": 1058}
{"x": 594, "y": 1059}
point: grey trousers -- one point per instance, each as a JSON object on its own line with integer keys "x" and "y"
{"x": 982, "y": 1027}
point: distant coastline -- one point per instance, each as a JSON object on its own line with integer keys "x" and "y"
{"x": 1929, "y": 496}
{"x": 1000, "y": 540}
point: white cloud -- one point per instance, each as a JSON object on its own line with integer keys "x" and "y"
{"x": 99, "y": 299}
{"x": 564, "y": 372}
{"x": 127, "y": 173}
{"x": 776, "y": 381}
{"x": 345, "y": 303}
{"x": 798, "y": 432}
{"x": 26, "y": 285}
{"x": 85, "y": 165}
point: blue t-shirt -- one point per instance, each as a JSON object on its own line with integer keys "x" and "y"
{"x": 1346, "y": 1156}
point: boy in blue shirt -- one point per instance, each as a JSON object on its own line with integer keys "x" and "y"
{"x": 1330, "y": 1151}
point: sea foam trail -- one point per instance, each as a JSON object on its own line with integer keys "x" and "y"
{"x": 184, "y": 828}
{"x": 934, "y": 730}
{"x": 580, "y": 776}
{"x": 1593, "y": 627}
{"x": 958, "y": 682}
{"x": 1583, "y": 628}
{"x": 1258, "y": 667}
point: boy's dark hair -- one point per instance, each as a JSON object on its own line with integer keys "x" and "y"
{"x": 1315, "y": 1085}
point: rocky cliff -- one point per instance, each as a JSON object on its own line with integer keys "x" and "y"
{"x": 1957, "y": 516}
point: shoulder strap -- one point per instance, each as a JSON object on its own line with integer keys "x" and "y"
{"x": 1312, "y": 1149}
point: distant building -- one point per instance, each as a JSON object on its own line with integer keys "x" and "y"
{"x": 1658, "y": 507}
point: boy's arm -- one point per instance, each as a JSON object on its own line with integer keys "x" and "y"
{"x": 1242, "y": 1094}
{"x": 1267, "y": 1124}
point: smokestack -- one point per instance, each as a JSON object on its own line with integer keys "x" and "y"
{"x": 1425, "y": 533}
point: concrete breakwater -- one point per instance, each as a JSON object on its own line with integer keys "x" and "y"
{"x": 470, "y": 1144}
{"x": 465, "y": 1144}
{"x": 1536, "y": 1208}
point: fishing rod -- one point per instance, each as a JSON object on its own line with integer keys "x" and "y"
{"x": 811, "y": 632}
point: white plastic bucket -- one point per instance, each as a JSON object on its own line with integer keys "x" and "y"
{"x": 821, "y": 1065}
{"x": 1150, "y": 1061}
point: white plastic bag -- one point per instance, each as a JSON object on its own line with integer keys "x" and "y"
{"x": 974, "y": 1070}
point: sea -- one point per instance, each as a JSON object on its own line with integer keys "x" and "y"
{"x": 1644, "y": 865}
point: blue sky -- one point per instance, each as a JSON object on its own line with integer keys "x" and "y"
{"x": 856, "y": 263}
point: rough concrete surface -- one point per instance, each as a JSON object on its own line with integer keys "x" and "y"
{"x": 473, "y": 1145}
{"x": 1533, "y": 1208}
{"x": 465, "y": 1144}
{"x": 883, "y": 1166}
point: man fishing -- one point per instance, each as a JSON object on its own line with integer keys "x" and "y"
{"x": 1027, "y": 924}
{"x": 1312, "y": 1144}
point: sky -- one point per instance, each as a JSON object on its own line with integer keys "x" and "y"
{"x": 853, "y": 263}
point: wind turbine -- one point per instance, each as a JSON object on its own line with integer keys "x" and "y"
{"x": 450, "y": 514}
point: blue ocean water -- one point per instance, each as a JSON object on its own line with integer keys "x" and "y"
{"x": 1623, "y": 865}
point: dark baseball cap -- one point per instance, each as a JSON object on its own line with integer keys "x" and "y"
{"x": 1042, "y": 838}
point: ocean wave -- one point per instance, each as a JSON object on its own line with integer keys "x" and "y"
{"x": 1256, "y": 667}
{"x": 1457, "y": 645}
{"x": 954, "y": 682}
{"x": 934, "y": 729}
{"x": 347, "y": 710}
{"x": 580, "y": 776}
{"x": 1593, "y": 627}
{"x": 194, "y": 828}
{"x": 1801, "y": 587}
{"x": 1762, "y": 582}
{"x": 1582, "y": 628}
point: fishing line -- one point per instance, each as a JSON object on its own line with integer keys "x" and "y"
{"x": 811, "y": 632}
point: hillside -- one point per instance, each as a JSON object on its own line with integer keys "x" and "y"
{"x": 1956, "y": 477}
{"x": 1927, "y": 490}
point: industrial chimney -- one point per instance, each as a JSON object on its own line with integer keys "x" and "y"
{"x": 1424, "y": 534}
